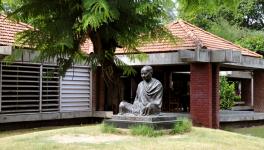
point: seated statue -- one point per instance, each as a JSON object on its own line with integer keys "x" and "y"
{"x": 148, "y": 98}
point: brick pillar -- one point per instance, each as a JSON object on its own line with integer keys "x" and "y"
{"x": 215, "y": 96}
{"x": 258, "y": 91}
{"x": 204, "y": 97}
{"x": 246, "y": 91}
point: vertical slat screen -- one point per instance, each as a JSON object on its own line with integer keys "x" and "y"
{"x": 75, "y": 90}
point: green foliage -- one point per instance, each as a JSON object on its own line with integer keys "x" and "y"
{"x": 237, "y": 98}
{"x": 182, "y": 125}
{"x": 145, "y": 130}
{"x": 247, "y": 38}
{"x": 60, "y": 27}
{"x": 243, "y": 13}
{"x": 98, "y": 12}
{"x": 250, "y": 14}
{"x": 253, "y": 42}
{"x": 16, "y": 54}
{"x": 108, "y": 128}
{"x": 227, "y": 31}
{"x": 191, "y": 7}
{"x": 227, "y": 93}
{"x": 242, "y": 25}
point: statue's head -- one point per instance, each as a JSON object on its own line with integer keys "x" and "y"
{"x": 146, "y": 73}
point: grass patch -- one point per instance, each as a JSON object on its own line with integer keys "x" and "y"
{"x": 257, "y": 131}
{"x": 181, "y": 126}
{"x": 198, "y": 139}
{"x": 145, "y": 130}
{"x": 108, "y": 128}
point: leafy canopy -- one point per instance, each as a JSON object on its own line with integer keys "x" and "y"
{"x": 61, "y": 26}
{"x": 242, "y": 25}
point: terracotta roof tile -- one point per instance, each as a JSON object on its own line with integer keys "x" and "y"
{"x": 8, "y": 29}
{"x": 191, "y": 37}
{"x": 87, "y": 46}
{"x": 213, "y": 42}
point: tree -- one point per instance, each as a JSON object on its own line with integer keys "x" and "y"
{"x": 61, "y": 26}
{"x": 242, "y": 25}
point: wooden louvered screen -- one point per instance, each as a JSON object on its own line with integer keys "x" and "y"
{"x": 30, "y": 88}
{"x": 50, "y": 88}
{"x": 27, "y": 88}
{"x": 75, "y": 90}
{"x": 20, "y": 88}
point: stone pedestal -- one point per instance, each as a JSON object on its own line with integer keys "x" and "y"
{"x": 161, "y": 121}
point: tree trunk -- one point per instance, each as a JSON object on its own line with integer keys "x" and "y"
{"x": 111, "y": 74}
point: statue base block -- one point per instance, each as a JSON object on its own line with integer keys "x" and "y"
{"x": 161, "y": 121}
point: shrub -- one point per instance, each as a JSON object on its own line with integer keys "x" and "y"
{"x": 108, "y": 128}
{"x": 145, "y": 130}
{"x": 227, "y": 94}
{"x": 254, "y": 42}
{"x": 237, "y": 98}
{"x": 182, "y": 125}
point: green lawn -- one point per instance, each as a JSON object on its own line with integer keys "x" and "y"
{"x": 257, "y": 131}
{"x": 90, "y": 137}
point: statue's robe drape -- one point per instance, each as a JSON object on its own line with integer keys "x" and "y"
{"x": 147, "y": 93}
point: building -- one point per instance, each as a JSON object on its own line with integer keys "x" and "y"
{"x": 31, "y": 91}
{"x": 189, "y": 72}
{"x": 192, "y": 67}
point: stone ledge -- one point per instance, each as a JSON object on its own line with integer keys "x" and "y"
{"x": 144, "y": 118}
{"x": 161, "y": 121}
{"x": 127, "y": 124}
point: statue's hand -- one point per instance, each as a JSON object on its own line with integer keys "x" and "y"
{"x": 146, "y": 109}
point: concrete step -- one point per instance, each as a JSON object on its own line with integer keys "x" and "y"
{"x": 239, "y": 103}
{"x": 242, "y": 108}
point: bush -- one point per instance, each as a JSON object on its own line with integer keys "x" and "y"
{"x": 145, "y": 130}
{"x": 253, "y": 42}
{"x": 108, "y": 128}
{"x": 182, "y": 125}
{"x": 227, "y": 94}
{"x": 237, "y": 98}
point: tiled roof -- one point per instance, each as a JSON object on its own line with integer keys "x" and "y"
{"x": 192, "y": 37}
{"x": 8, "y": 29}
{"x": 87, "y": 46}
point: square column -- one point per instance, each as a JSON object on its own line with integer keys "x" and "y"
{"x": 204, "y": 94}
{"x": 258, "y": 93}
{"x": 215, "y": 95}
